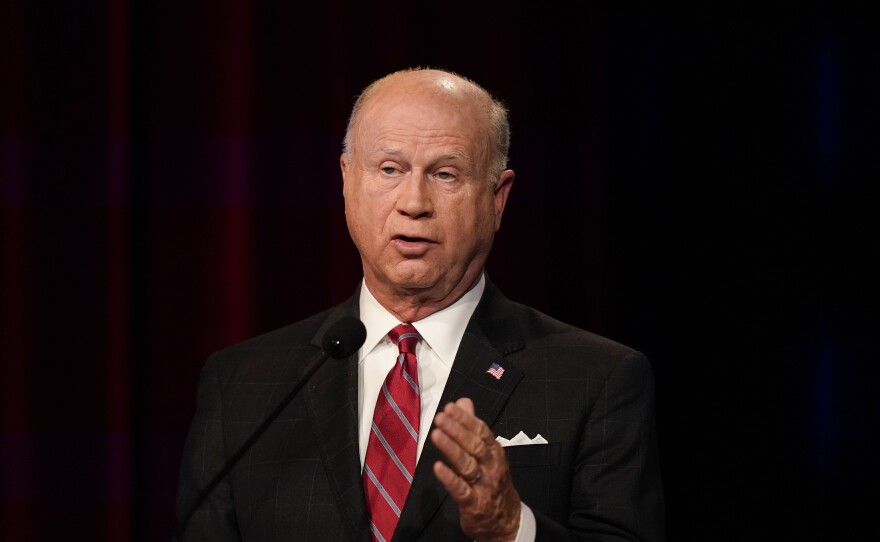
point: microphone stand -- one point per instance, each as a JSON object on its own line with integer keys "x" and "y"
{"x": 307, "y": 374}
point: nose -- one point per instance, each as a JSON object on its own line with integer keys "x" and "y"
{"x": 414, "y": 198}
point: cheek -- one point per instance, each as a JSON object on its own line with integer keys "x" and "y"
{"x": 366, "y": 217}
{"x": 480, "y": 214}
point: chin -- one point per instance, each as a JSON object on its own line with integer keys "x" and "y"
{"x": 415, "y": 279}
{"x": 413, "y": 283}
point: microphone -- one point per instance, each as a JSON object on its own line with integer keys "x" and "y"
{"x": 343, "y": 339}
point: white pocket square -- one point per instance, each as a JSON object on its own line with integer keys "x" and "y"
{"x": 521, "y": 440}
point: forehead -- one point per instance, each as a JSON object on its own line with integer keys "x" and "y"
{"x": 422, "y": 114}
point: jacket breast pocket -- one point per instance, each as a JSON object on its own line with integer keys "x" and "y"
{"x": 533, "y": 455}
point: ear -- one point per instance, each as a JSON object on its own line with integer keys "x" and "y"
{"x": 343, "y": 165}
{"x": 502, "y": 190}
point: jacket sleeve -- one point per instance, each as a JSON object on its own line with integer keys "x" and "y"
{"x": 203, "y": 457}
{"x": 616, "y": 491}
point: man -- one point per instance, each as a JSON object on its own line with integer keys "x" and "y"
{"x": 356, "y": 456}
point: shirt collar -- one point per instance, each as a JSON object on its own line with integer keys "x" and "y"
{"x": 442, "y": 330}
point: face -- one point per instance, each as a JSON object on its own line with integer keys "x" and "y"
{"x": 418, "y": 201}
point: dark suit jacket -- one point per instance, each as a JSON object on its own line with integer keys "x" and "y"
{"x": 591, "y": 398}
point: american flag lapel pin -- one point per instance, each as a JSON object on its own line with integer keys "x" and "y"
{"x": 496, "y": 371}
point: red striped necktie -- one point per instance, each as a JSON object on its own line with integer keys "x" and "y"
{"x": 390, "y": 461}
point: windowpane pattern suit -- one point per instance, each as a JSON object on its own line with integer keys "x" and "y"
{"x": 590, "y": 397}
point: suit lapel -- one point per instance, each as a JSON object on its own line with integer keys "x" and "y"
{"x": 332, "y": 398}
{"x": 490, "y": 335}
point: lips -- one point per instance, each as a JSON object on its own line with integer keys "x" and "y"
{"x": 411, "y": 245}
{"x": 409, "y": 239}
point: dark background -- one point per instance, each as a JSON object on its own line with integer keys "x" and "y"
{"x": 695, "y": 182}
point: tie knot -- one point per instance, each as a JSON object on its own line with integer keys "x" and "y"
{"x": 406, "y": 337}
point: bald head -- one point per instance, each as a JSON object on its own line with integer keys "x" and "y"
{"x": 425, "y": 186}
{"x": 458, "y": 91}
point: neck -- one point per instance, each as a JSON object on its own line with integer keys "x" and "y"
{"x": 413, "y": 305}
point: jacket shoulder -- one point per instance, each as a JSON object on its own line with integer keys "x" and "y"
{"x": 297, "y": 343}
{"x": 542, "y": 329}
{"x": 513, "y": 326}
{"x": 297, "y": 333}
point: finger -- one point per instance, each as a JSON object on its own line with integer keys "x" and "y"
{"x": 466, "y": 404}
{"x": 470, "y": 432}
{"x": 462, "y": 410}
{"x": 464, "y": 464}
{"x": 464, "y": 449}
{"x": 460, "y": 491}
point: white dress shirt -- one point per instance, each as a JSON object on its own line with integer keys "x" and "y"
{"x": 441, "y": 334}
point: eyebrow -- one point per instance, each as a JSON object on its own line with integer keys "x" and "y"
{"x": 453, "y": 155}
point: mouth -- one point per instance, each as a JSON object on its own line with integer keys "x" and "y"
{"x": 411, "y": 246}
{"x": 408, "y": 239}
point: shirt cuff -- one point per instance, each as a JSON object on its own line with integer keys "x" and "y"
{"x": 528, "y": 527}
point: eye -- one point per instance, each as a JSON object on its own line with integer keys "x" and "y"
{"x": 388, "y": 170}
{"x": 445, "y": 175}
